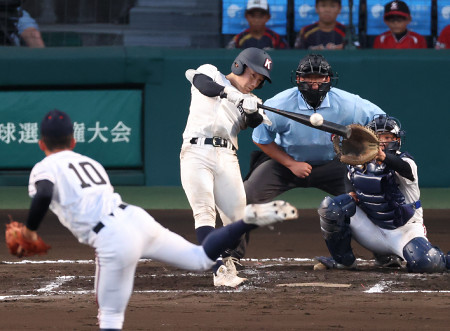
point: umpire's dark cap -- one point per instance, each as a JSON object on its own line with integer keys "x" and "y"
{"x": 56, "y": 124}
{"x": 396, "y": 8}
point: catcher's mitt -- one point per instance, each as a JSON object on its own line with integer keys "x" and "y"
{"x": 19, "y": 246}
{"x": 360, "y": 148}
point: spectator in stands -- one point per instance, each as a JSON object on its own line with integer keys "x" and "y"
{"x": 18, "y": 28}
{"x": 257, "y": 34}
{"x": 326, "y": 33}
{"x": 29, "y": 31}
{"x": 397, "y": 17}
{"x": 444, "y": 38}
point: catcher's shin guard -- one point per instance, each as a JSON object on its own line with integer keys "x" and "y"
{"x": 421, "y": 256}
{"x": 335, "y": 226}
{"x": 448, "y": 261}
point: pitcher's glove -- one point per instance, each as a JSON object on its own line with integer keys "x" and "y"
{"x": 360, "y": 148}
{"x": 19, "y": 246}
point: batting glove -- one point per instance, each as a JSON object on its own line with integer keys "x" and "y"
{"x": 250, "y": 104}
{"x": 233, "y": 95}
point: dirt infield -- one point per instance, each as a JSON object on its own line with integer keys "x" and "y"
{"x": 55, "y": 292}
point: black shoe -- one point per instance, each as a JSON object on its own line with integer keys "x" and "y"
{"x": 330, "y": 263}
{"x": 388, "y": 261}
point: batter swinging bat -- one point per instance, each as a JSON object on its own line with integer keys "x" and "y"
{"x": 327, "y": 126}
{"x": 340, "y": 130}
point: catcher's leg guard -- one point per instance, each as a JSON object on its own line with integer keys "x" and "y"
{"x": 448, "y": 260}
{"x": 421, "y": 256}
{"x": 335, "y": 216}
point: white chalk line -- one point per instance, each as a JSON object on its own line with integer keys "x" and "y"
{"x": 281, "y": 259}
{"x": 385, "y": 287}
{"x": 51, "y": 289}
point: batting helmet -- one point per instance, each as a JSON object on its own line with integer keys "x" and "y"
{"x": 256, "y": 59}
{"x": 383, "y": 124}
{"x": 314, "y": 64}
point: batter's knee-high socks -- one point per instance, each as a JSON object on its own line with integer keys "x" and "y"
{"x": 202, "y": 232}
{"x": 224, "y": 237}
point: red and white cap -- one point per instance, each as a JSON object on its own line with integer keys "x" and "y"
{"x": 396, "y": 8}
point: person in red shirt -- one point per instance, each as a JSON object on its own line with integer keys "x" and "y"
{"x": 397, "y": 17}
{"x": 444, "y": 38}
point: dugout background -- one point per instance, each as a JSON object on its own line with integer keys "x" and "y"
{"x": 409, "y": 84}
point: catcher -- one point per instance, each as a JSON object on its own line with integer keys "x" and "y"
{"x": 78, "y": 191}
{"x": 383, "y": 213}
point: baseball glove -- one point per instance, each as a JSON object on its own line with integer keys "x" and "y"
{"x": 20, "y": 246}
{"x": 360, "y": 148}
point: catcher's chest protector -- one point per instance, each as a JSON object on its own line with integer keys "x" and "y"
{"x": 379, "y": 196}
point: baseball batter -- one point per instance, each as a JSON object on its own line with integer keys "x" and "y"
{"x": 77, "y": 189}
{"x": 221, "y": 106}
{"x": 383, "y": 213}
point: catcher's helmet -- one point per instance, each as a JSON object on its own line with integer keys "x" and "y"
{"x": 385, "y": 123}
{"x": 314, "y": 64}
{"x": 256, "y": 59}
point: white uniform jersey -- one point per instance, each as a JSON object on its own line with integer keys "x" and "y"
{"x": 410, "y": 189}
{"x": 82, "y": 192}
{"x": 209, "y": 117}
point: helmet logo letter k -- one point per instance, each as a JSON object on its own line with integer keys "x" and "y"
{"x": 268, "y": 64}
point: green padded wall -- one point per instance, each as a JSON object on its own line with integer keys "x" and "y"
{"x": 409, "y": 84}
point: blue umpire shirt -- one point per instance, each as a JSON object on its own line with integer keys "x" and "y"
{"x": 308, "y": 144}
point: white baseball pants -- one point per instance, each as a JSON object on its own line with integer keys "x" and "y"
{"x": 127, "y": 236}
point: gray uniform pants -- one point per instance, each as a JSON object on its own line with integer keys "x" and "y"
{"x": 270, "y": 179}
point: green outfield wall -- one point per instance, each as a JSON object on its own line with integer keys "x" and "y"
{"x": 131, "y": 104}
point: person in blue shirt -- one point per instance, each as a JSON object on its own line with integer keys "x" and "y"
{"x": 18, "y": 28}
{"x": 297, "y": 155}
{"x": 294, "y": 155}
{"x": 29, "y": 31}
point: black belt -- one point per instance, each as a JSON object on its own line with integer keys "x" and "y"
{"x": 216, "y": 142}
{"x": 100, "y": 225}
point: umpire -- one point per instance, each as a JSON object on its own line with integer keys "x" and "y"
{"x": 294, "y": 155}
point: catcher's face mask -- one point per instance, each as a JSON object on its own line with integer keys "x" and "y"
{"x": 389, "y": 142}
{"x": 390, "y": 129}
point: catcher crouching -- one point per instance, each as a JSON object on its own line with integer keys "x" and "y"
{"x": 383, "y": 212}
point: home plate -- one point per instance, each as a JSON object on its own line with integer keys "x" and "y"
{"x": 314, "y": 284}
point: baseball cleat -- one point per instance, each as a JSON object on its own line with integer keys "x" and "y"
{"x": 236, "y": 261}
{"x": 269, "y": 213}
{"x": 226, "y": 277}
{"x": 389, "y": 261}
{"x": 230, "y": 263}
{"x": 330, "y": 263}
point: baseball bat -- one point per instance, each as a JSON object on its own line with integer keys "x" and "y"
{"x": 331, "y": 127}
{"x": 340, "y": 130}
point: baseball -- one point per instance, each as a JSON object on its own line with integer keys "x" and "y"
{"x": 316, "y": 119}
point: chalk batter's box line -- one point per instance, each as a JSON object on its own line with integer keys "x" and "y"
{"x": 50, "y": 289}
